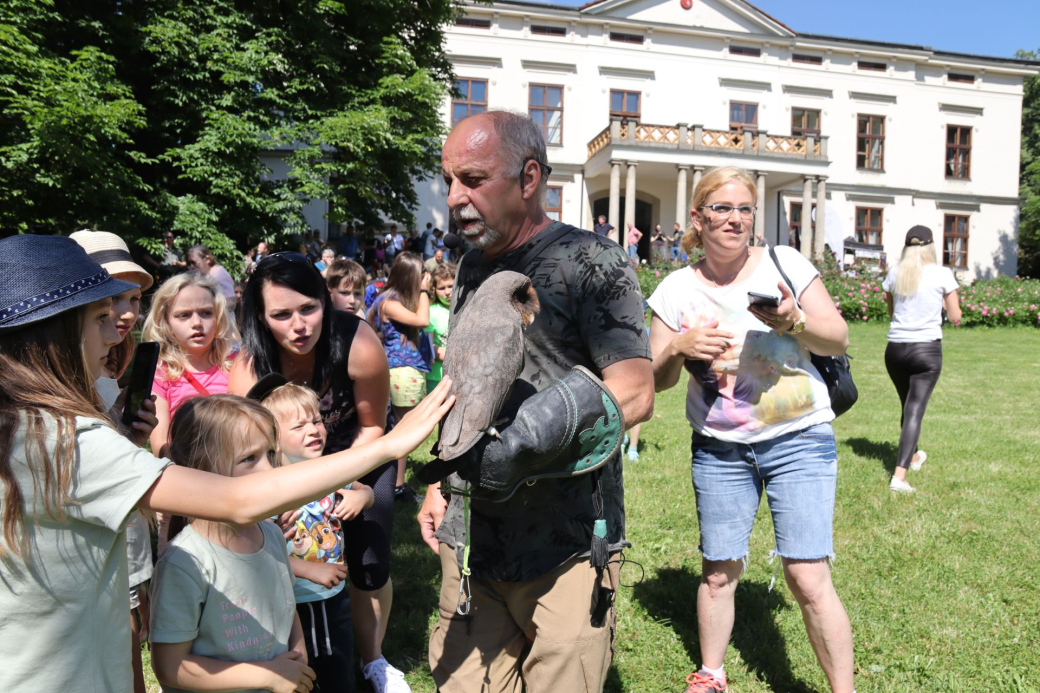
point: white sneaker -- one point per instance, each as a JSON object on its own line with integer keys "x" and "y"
{"x": 922, "y": 456}
{"x": 900, "y": 486}
{"x": 385, "y": 678}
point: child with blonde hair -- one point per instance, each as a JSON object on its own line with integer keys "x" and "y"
{"x": 315, "y": 536}
{"x": 222, "y": 606}
{"x": 196, "y": 335}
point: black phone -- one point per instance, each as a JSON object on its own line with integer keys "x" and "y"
{"x": 142, "y": 373}
{"x": 756, "y": 299}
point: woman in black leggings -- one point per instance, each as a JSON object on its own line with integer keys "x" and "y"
{"x": 917, "y": 290}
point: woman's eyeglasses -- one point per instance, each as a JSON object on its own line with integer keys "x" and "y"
{"x": 746, "y": 211}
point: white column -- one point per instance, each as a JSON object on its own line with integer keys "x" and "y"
{"x": 630, "y": 200}
{"x": 820, "y": 227}
{"x": 760, "y": 216}
{"x": 698, "y": 173}
{"x": 615, "y": 201}
{"x": 805, "y": 240}
{"x": 682, "y": 214}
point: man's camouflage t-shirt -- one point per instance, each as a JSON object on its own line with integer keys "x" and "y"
{"x": 591, "y": 315}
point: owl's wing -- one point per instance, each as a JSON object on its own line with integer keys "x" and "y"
{"x": 483, "y": 360}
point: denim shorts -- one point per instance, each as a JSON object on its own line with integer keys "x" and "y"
{"x": 799, "y": 472}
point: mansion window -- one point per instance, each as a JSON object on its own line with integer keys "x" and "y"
{"x": 807, "y": 59}
{"x": 805, "y": 122}
{"x": 868, "y": 225}
{"x": 874, "y": 67}
{"x": 473, "y": 23}
{"x": 955, "y": 241}
{"x": 553, "y": 202}
{"x": 745, "y": 50}
{"x": 870, "y": 142}
{"x": 545, "y": 106}
{"x": 624, "y": 104}
{"x": 542, "y": 30}
{"x": 743, "y": 116}
{"x": 626, "y": 38}
{"x": 963, "y": 79}
{"x": 470, "y": 98}
{"x": 958, "y": 151}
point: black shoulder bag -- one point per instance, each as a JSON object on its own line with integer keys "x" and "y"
{"x": 835, "y": 370}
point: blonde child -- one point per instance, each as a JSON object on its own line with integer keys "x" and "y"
{"x": 222, "y": 605}
{"x": 315, "y": 536}
{"x": 63, "y": 575}
{"x": 443, "y": 280}
{"x": 196, "y": 334}
{"x": 114, "y": 256}
{"x": 347, "y": 281}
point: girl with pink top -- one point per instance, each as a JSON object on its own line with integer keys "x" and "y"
{"x": 190, "y": 321}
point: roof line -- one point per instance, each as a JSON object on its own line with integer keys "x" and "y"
{"x": 929, "y": 49}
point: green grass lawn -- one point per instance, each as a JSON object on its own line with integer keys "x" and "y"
{"x": 942, "y": 586}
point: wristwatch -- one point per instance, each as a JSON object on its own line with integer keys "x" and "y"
{"x": 799, "y": 325}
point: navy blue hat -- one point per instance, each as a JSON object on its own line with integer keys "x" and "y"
{"x": 41, "y": 276}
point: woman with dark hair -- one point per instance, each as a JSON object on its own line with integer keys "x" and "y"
{"x": 289, "y": 326}
{"x": 398, "y": 315}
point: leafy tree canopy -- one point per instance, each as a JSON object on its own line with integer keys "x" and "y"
{"x": 1029, "y": 218}
{"x": 140, "y": 116}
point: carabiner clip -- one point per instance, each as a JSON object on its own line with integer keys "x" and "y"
{"x": 463, "y": 605}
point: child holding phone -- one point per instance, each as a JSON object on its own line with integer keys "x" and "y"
{"x": 315, "y": 536}
{"x": 223, "y": 616}
{"x": 63, "y": 577}
{"x": 114, "y": 256}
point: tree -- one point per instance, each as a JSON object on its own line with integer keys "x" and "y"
{"x": 141, "y": 116}
{"x": 1029, "y": 217}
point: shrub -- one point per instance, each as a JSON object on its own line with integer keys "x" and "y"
{"x": 1001, "y": 301}
{"x": 858, "y": 299}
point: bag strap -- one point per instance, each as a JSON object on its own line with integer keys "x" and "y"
{"x": 196, "y": 384}
{"x": 787, "y": 280}
{"x": 543, "y": 242}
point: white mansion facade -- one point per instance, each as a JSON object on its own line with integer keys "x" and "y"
{"x": 637, "y": 98}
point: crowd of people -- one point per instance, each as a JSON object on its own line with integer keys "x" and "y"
{"x": 285, "y": 408}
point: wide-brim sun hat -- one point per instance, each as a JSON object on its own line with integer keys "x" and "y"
{"x": 112, "y": 253}
{"x": 42, "y": 276}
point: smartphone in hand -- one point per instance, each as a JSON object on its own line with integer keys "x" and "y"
{"x": 757, "y": 299}
{"x": 142, "y": 373}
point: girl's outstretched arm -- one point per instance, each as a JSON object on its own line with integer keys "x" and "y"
{"x": 255, "y": 497}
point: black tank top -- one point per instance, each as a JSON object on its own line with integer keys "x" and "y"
{"x": 337, "y": 406}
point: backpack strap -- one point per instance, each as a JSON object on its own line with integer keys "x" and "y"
{"x": 787, "y": 280}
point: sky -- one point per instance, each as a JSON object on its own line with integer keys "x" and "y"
{"x": 995, "y": 27}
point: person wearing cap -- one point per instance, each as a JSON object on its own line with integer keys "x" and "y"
{"x": 917, "y": 289}
{"x": 112, "y": 253}
{"x": 63, "y": 577}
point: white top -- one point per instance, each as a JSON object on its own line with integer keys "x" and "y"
{"x": 231, "y": 606}
{"x": 138, "y": 539}
{"x": 68, "y": 603}
{"x": 765, "y": 385}
{"x": 223, "y": 280}
{"x": 918, "y": 318}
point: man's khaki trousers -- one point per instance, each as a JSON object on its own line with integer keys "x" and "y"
{"x": 537, "y": 633}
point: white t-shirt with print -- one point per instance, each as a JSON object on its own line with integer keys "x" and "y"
{"x": 764, "y": 385}
{"x": 65, "y": 604}
{"x": 918, "y": 318}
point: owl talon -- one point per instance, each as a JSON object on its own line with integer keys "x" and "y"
{"x": 493, "y": 432}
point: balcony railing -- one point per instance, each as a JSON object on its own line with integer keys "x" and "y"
{"x": 697, "y": 138}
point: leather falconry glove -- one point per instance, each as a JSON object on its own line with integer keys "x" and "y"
{"x": 571, "y": 427}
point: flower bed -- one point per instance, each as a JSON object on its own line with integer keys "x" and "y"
{"x": 1001, "y": 301}
{"x": 858, "y": 299}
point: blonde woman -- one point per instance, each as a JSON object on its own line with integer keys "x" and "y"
{"x": 917, "y": 290}
{"x": 760, "y": 416}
